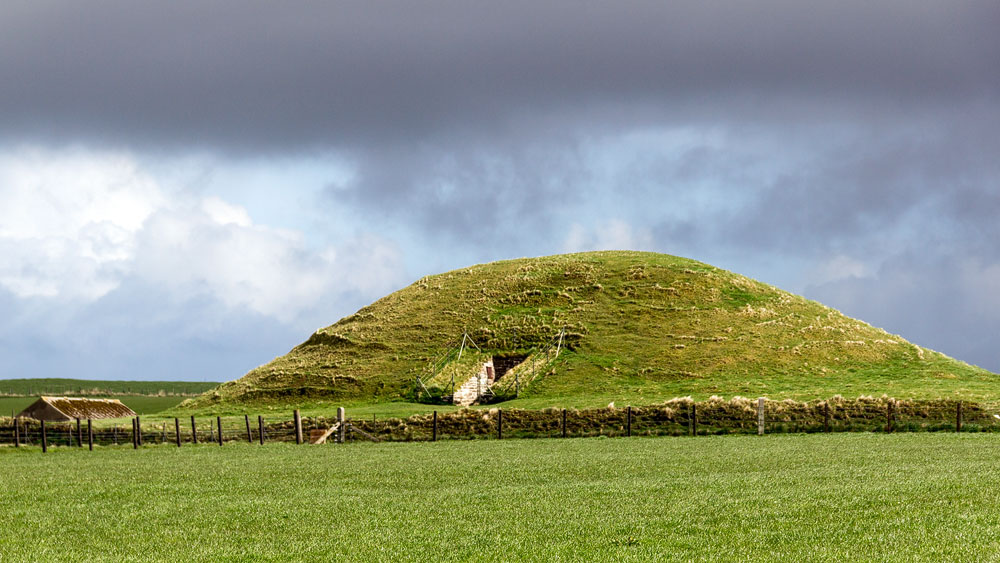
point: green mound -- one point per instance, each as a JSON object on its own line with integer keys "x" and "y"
{"x": 628, "y": 326}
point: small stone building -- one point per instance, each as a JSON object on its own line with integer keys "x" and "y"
{"x": 63, "y": 409}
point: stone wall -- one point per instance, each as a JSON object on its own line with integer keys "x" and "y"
{"x": 470, "y": 391}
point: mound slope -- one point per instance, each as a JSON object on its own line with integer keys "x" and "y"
{"x": 637, "y": 327}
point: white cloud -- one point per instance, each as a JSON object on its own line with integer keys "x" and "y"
{"x": 68, "y": 221}
{"x": 837, "y": 268}
{"x": 74, "y": 225}
{"x": 224, "y": 213}
{"x": 613, "y": 234}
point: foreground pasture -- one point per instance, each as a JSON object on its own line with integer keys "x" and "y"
{"x": 784, "y": 497}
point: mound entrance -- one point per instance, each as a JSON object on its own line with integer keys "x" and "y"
{"x": 479, "y": 388}
{"x": 466, "y": 375}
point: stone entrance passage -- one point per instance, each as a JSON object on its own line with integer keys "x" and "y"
{"x": 478, "y": 385}
{"x": 474, "y": 387}
{"x": 503, "y": 364}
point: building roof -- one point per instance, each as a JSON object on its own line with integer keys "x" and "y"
{"x": 70, "y": 408}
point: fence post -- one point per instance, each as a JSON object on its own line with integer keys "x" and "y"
{"x": 826, "y": 416}
{"x": 342, "y": 428}
{"x": 888, "y": 415}
{"x": 499, "y": 424}
{"x": 90, "y": 435}
{"x": 17, "y": 434}
{"x": 693, "y": 420}
{"x": 135, "y": 442}
{"x": 194, "y": 431}
{"x": 434, "y": 433}
{"x": 246, "y": 418}
{"x": 760, "y": 416}
{"x": 260, "y": 428}
{"x": 218, "y": 422}
{"x": 564, "y": 423}
{"x": 79, "y": 434}
{"x": 163, "y": 433}
{"x": 298, "y": 427}
{"x": 138, "y": 430}
{"x": 69, "y": 435}
{"x": 628, "y": 421}
{"x": 177, "y": 431}
{"x": 45, "y": 439}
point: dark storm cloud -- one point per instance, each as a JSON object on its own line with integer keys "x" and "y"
{"x": 941, "y": 182}
{"x": 459, "y": 109}
{"x": 470, "y": 194}
{"x": 256, "y": 76}
{"x": 856, "y": 128}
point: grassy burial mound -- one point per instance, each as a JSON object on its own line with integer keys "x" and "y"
{"x": 587, "y": 329}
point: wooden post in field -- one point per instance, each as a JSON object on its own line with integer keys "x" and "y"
{"x": 958, "y": 417}
{"x": 135, "y": 442}
{"x": 342, "y": 428}
{"x": 17, "y": 434}
{"x": 194, "y": 431}
{"x": 434, "y": 432}
{"x": 760, "y": 416}
{"x": 888, "y": 416}
{"x": 163, "y": 433}
{"x": 79, "y": 434}
{"x": 90, "y": 435}
{"x": 298, "y": 427}
{"x": 693, "y": 420}
{"x": 499, "y": 424}
{"x": 246, "y": 418}
{"x": 826, "y": 416}
{"x": 138, "y": 430}
{"x": 45, "y": 439}
{"x": 564, "y": 423}
{"x": 218, "y": 422}
{"x": 628, "y": 421}
{"x": 177, "y": 431}
{"x": 260, "y": 428}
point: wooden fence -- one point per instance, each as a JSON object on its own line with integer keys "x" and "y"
{"x": 678, "y": 417}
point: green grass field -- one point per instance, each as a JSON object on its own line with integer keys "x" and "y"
{"x": 140, "y": 404}
{"x": 92, "y": 387}
{"x": 833, "y": 497}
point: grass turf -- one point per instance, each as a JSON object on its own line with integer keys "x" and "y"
{"x": 794, "y": 497}
{"x": 141, "y": 404}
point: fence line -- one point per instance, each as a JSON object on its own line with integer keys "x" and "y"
{"x": 677, "y": 417}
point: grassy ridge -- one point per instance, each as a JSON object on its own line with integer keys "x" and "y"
{"x": 852, "y": 497}
{"x": 640, "y": 328}
{"x": 90, "y": 387}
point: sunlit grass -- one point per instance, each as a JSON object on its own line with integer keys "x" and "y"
{"x": 794, "y": 497}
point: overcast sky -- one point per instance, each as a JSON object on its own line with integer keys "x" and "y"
{"x": 188, "y": 189}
